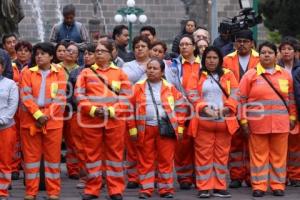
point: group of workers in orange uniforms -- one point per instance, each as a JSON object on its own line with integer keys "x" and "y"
{"x": 217, "y": 111}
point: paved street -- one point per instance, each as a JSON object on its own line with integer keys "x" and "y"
{"x": 69, "y": 192}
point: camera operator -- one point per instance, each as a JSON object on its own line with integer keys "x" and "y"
{"x": 224, "y": 42}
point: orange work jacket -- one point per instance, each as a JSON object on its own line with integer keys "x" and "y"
{"x": 231, "y": 61}
{"x": 91, "y": 93}
{"x": 55, "y": 97}
{"x": 262, "y": 108}
{"x": 230, "y": 85}
{"x": 172, "y": 101}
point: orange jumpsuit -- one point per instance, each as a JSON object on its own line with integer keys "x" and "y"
{"x": 212, "y": 138}
{"x": 268, "y": 121}
{"x": 46, "y": 141}
{"x": 156, "y": 152}
{"x": 103, "y": 133}
{"x": 239, "y": 152}
{"x": 184, "y": 156}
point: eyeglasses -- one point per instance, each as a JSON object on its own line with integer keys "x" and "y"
{"x": 243, "y": 41}
{"x": 185, "y": 44}
{"x": 101, "y": 51}
{"x": 72, "y": 51}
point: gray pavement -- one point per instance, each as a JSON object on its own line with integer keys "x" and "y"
{"x": 69, "y": 192}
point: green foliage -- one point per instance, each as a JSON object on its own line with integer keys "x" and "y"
{"x": 274, "y": 36}
{"x": 281, "y": 15}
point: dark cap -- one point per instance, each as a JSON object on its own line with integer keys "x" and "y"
{"x": 245, "y": 34}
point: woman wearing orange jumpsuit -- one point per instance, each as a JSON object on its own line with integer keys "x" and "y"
{"x": 268, "y": 114}
{"x": 213, "y": 97}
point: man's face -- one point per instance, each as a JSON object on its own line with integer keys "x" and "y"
{"x": 9, "y": 44}
{"x": 148, "y": 34}
{"x": 123, "y": 38}
{"x": 243, "y": 46}
{"x": 201, "y": 34}
{"x": 69, "y": 19}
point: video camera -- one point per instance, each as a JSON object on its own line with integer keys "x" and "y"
{"x": 247, "y": 18}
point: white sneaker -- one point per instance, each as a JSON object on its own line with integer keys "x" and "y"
{"x": 80, "y": 185}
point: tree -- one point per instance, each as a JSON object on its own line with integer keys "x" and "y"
{"x": 282, "y": 15}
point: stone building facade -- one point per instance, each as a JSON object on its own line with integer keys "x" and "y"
{"x": 165, "y": 15}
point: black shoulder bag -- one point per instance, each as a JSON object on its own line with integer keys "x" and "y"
{"x": 105, "y": 83}
{"x": 278, "y": 94}
{"x": 164, "y": 124}
{"x": 220, "y": 86}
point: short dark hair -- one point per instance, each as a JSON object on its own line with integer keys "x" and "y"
{"x": 196, "y": 52}
{"x": 62, "y": 43}
{"x": 118, "y": 30}
{"x": 158, "y": 42}
{"x": 288, "y": 40}
{"x": 151, "y": 29}
{"x": 8, "y": 36}
{"x": 142, "y": 38}
{"x": 267, "y": 44}
{"x": 219, "y": 69}
{"x": 23, "y": 44}
{"x": 69, "y": 9}
{"x": 161, "y": 63}
{"x": 47, "y": 47}
{"x": 90, "y": 47}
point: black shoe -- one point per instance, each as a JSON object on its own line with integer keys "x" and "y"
{"x": 295, "y": 183}
{"x": 3, "y": 198}
{"x": 278, "y": 193}
{"x": 143, "y": 196}
{"x": 203, "y": 194}
{"x": 74, "y": 176}
{"x": 235, "y": 184}
{"x": 185, "y": 186}
{"x": 89, "y": 197}
{"x": 15, "y": 176}
{"x": 221, "y": 193}
{"x": 167, "y": 196}
{"x": 132, "y": 185}
{"x": 116, "y": 197}
{"x": 9, "y": 187}
{"x": 258, "y": 193}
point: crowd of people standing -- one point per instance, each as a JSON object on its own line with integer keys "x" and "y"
{"x": 129, "y": 119}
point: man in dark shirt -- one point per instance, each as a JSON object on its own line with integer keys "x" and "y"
{"x": 121, "y": 37}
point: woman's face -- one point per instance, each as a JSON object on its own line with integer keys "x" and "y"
{"x": 153, "y": 71}
{"x": 61, "y": 52}
{"x": 89, "y": 58}
{"x": 157, "y": 52}
{"x": 43, "y": 59}
{"x": 287, "y": 53}
{"x": 267, "y": 57}
{"x": 141, "y": 50}
{"x": 23, "y": 55}
{"x": 190, "y": 27}
{"x": 201, "y": 45}
{"x": 212, "y": 61}
{"x": 186, "y": 47}
{"x": 102, "y": 55}
{"x": 72, "y": 53}
{"x": 1, "y": 69}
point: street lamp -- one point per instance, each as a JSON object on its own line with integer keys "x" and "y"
{"x": 130, "y": 14}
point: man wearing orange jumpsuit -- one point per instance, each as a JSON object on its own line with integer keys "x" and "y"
{"x": 268, "y": 114}
{"x": 42, "y": 106}
{"x": 240, "y": 61}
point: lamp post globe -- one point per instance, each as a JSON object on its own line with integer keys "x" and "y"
{"x": 143, "y": 18}
{"x": 132, "y": 18}
{"x": 118, "y": 18}
{"x": 130, "y": 3}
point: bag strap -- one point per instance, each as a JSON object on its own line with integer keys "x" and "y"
{"x": 154, "y": 102}
{"x": 276, "y": 91}
{"x": 220, "y": 86}
{"x": 105, "y": 83}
